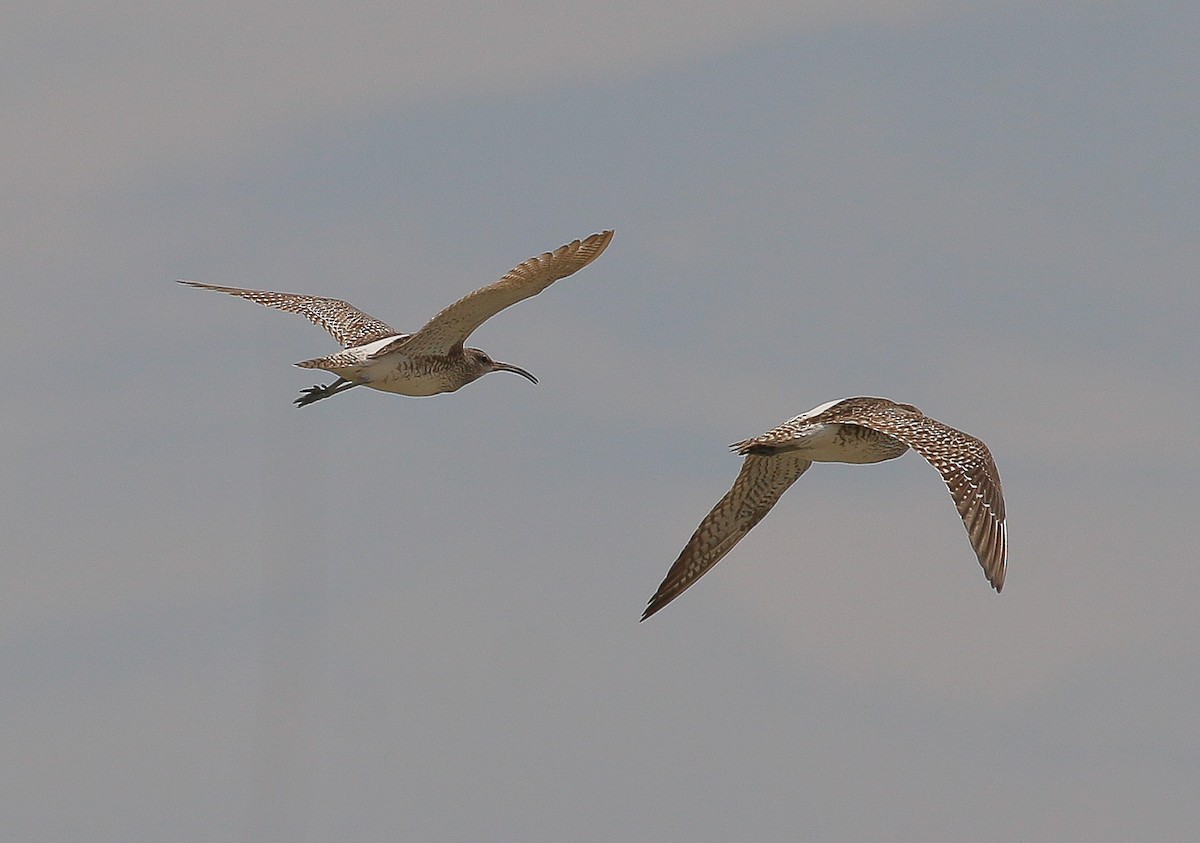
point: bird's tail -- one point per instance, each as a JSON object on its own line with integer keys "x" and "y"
{"x": 329, "y": 363}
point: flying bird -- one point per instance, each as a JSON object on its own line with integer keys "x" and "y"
{"x": 433, "y": 360}
{"x": 852, "y": 430}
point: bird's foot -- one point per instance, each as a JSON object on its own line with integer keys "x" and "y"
{"x": 314, "y": 393}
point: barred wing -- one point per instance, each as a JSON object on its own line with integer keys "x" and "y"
{"x": 348, "y": 325}
{"x": 757, "y": 488}
{"x": 445, "y": 333}
{"x": 964, "y": 462}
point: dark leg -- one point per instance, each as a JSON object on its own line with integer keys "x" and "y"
{"x": 316, "y": 393}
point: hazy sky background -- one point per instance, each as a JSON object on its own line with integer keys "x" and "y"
{"x": 384, "y": 618}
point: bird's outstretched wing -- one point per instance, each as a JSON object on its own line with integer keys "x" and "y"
{"x": 446, "y": 332}
{"x": 757, "y": 488}
{"x": 348, "y": 325}
{"x": 964, "y": 462}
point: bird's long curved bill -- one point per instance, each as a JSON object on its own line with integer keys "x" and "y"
{"x": 517, "y": 370}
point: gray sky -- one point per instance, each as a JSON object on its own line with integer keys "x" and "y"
{"x": 384, "y": 618}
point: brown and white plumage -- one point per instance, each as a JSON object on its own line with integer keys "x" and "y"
{"x": 853, "y": 430}
{"x": 448, "y": 330}
{"x": 433, "y": 360}
{"x": 345, "y": 322}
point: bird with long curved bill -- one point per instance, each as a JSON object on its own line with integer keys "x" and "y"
{"x": 853, "y": 430}
{"x": 434, "y": 359}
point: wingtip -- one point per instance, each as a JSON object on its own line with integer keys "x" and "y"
{"x": 998, "y": 581}
{"x": 659, "y": 601}
{"x": 600, "y": 240}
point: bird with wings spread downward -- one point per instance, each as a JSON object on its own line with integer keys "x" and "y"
{"x": 853, "y": 430}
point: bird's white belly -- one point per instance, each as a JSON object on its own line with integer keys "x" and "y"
{"x": 413, "y": 384}
{"x": 849, "y": 444}
{"x": 399, "y": 374}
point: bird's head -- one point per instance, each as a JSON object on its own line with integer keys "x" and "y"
{"x": 483, "y": 364}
